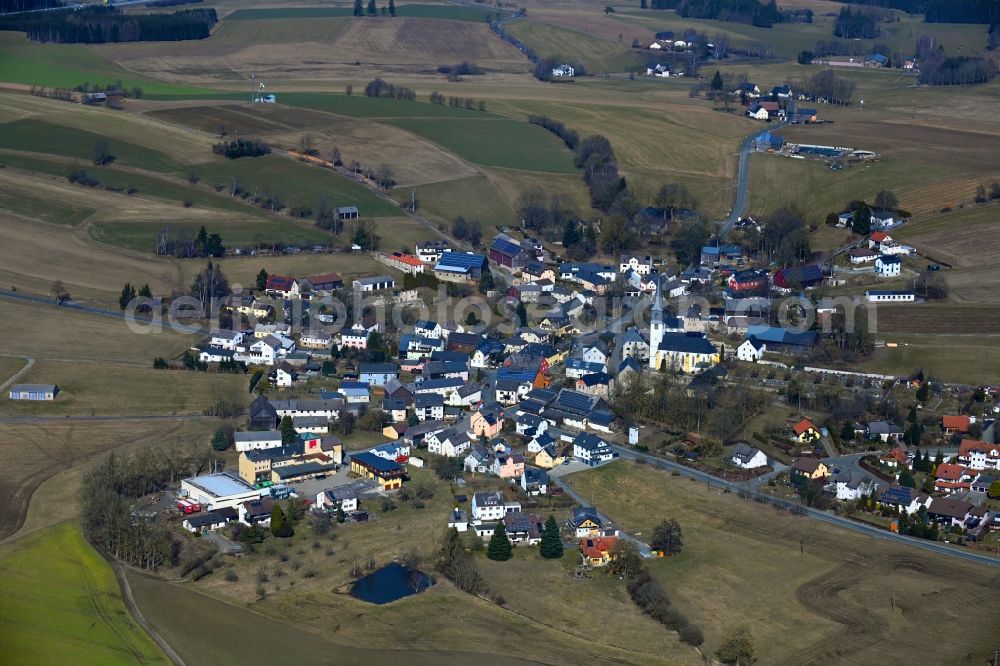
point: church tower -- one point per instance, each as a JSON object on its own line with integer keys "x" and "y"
{"x": 655, "y": 326}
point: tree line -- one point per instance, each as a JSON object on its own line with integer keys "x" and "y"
{"x": 111, "y": 519}
{"x": 26, "y": 5}
{"x": 381, "y": 88}
{"x": 101, "y": 25}
{"x": 749, "y": 12}
{"x": 943, "y": 11}
{"x": 181, "y": 243}
{"x": 238, "y": 148}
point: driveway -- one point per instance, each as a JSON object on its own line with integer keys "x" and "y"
{"x": 557, "y": 478}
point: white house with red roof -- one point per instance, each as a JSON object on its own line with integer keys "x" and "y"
{"x": 283, "y": 286}
{"x": 950, "y": 478}
{"x": 978, "y": 455}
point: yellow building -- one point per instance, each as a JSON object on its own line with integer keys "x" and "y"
{"x": 685, "y": 352}
{"x": 548, "y": 458}
{"x": 387, "y": 473}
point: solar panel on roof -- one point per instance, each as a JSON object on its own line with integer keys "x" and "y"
{"x": 461, "y": 260}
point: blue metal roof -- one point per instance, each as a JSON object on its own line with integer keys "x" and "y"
{"x": 460, "y": 261}
{"x": 505, "y": 247}
{"x": 377, "y": 463}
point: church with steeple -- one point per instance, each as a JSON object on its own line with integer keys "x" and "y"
{"x": 689, "y": 353}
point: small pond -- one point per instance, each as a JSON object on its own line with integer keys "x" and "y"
{"x": 391, "y": 582}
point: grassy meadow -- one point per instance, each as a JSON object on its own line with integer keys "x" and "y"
{"x": 55, "y": 578}
{"x": 803, "y": 587}
{"x": 562, "y": 44}
{"x": 104, "y": 389}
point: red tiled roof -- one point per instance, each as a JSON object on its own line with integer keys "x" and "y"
{"x": 949, "y": 472}
{"x": 407, "y": 259}
{"x": 959, "y": 423}
{"x": 879, "y": 236}
{"x": 595, "y": 548}
{"x": 280, "y": 282}
{"x": 804, "y": 425}
{"x": 897, "y": 454}
{"x": 324, "y": 278}
{"x": 970, "y": 445}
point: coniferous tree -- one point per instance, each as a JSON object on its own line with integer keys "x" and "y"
{"x": 262, "y": 279}
{"x": 486, "y": 281}
{"x": 358, "y": 8}
{"x": 499, "y": 548}
{"x": 372, "y": 9}
{"x": 551, "y": 547}
{"x": 219, "y": 441}
{"x": 128, "y": 293}
{"x": 287, "y": 430}
{"x": 392, "y": 7}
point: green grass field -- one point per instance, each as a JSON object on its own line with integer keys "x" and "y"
{"x": 475, "y": 198}
{"x": 359, "y": 106}
{"x": 950, "y": 358}
{"x": 38, "y": 136}
{"x": 295, "y": 183}
{"x": 88, "y": 389}
{"x": 499, "y": 143}
{"x": 561, "y": 44}
{"x": 62, "y": 604}
{"x": 36, "y": 206}
{"x": 70, "y": 65}
{"x": 412, "y": 11}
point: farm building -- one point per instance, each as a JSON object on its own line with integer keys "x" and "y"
{"x": 33, "y": 392}
{"x": 376, "y": 283}
{"x": 460, "y": 266}
{"x": 347, "y": 212}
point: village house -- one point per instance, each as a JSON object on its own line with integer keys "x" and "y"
{"x": 810, "y": 468}
{"x": 534, "y": 481}
{"x": 282, "y": 286}
{"x": 315, "y": 340}
{"x": 487, "y": 421}
{"x": 377, "y": 374}
{"x": 586, "y": 522}
{"x": 950, "y": 478}
{"x": 428, "y": 407}
{"x": 888, "y": 266}
{"x": 492, "y": 506}
{"x": 951, "y": 425}
{"x": 596, "y": 551}
{"x": 949, "y": 512}
{"x": 430, "y": 251}
{"x": 264, "y": 439}
{"x": 751, "y": 350}
{"x": 977, "y": 455}
{"x": 748, "y": 457}
{"x": 806, "y": 432}
{"x": 592, "y": 450}
{"x": 508, "y": 465}
{"x": 451, "y": 442}
{"x": 344, "y": 498}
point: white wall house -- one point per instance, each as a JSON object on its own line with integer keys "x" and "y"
{"x": 751, "y": 350}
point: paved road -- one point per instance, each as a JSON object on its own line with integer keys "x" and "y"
{"x": 823, "y": 516}
{"x": 743, "y": 179}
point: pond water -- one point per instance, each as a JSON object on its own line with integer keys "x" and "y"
{"x": 391, "y": 582}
